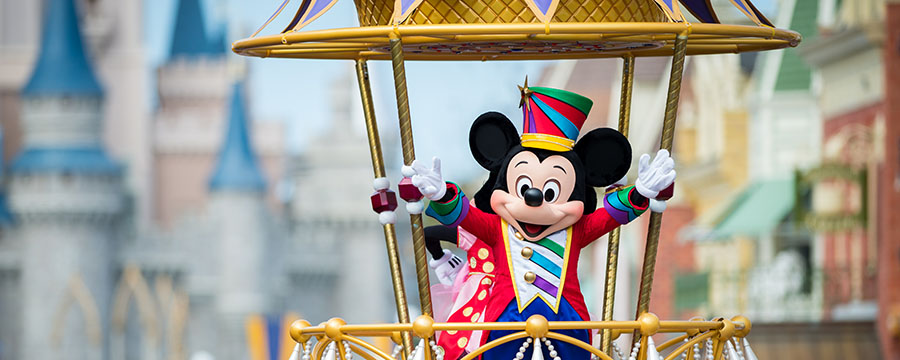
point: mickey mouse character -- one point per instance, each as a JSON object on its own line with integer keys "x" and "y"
{"x": 537, "y": 209}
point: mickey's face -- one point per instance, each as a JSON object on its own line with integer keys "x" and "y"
{"x": 536, "y": 199}
{"x": 537, "y": 191}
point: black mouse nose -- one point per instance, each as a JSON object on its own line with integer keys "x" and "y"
{"x": 534, "y": 197}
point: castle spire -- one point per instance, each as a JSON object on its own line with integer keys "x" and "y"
{"x": 237, "y": 168}
{"x": 62, "y": 67}
{"x": 62, "y": 103}
{"x": 190, "y": 38}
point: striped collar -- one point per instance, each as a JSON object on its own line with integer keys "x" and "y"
{"x": 537, "y": 268}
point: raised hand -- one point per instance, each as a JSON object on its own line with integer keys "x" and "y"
{"x": 429, "y": 179}
{"x": 655, "y": 176}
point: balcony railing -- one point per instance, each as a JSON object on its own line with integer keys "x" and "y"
{"x": 336, "y": 340}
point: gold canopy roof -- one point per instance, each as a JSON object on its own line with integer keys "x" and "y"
{"x": 515, "y": 30}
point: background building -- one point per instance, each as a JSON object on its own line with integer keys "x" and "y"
{"x": 134, "y": 232}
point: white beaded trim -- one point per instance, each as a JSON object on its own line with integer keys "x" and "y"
{"x": 521, "y": 354}
{"x": 709, "y": 349}
{"x": 407, "y": 171}
{"x": 618, "y": 351}
{"x": 307, "y": 350}
{"x": 415, "y": 207}
{"x": 387, "y": 217}
{"x": 437, "y": 350}
{"x": 396, "y": 353}
{"x": 553, "y": 354}
{"x": 381, "y": 183}
{"x": 657, "y": 206}
{"x": 348, "y": 354}
{"x": 738, "y": 349}
{"x": 634, "y": 350}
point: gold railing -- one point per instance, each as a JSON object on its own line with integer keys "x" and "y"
{"x": 345, "y": 339}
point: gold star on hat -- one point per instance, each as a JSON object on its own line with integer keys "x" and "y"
{"x": 524, "y": 91}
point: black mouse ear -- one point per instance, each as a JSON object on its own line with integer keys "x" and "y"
{"x": 491, "y": 137}
{"x": 606, "y": 155}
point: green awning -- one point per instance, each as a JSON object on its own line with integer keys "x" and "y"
{"x": 691, "y": 291}
{"x": 758, "y": 210}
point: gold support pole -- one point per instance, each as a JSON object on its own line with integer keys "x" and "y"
{"x": 390, "y": 234}
{"x": 668, "y": 134}
{"x": 612, "y": 254}
{"x": 718, "y": 349}
{"x": 409, "y": 154}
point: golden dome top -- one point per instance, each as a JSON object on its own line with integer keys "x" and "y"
{"x": 515, "y": 30}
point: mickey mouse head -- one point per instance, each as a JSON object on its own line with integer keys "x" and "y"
{"x": 538, "y": 190}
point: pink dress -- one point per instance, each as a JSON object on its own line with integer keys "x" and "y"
{"x": 466, "y": 299}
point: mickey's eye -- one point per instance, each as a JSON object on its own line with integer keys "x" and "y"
{"x": 551, "y": 191}
{"x": 522, "y": 184}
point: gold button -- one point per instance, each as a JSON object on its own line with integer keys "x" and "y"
{"x": 527, "y": 252}
{"x": 519, "y": 235}
{"x": 529, "y": 277}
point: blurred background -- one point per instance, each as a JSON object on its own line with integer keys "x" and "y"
{"x": 163, "y": 198}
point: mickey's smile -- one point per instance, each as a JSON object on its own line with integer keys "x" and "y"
{"x": 532, "y": 230}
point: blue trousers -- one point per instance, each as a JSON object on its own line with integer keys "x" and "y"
{"x": 564, "y": 350}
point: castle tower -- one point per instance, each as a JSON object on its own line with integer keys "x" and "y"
{"x": 193, "y": 92}
{"x": 194, "y": 85}
{"x": 121, "y": 62}
{"x": 238, "y": 210}
{"x": 65, "y": 193}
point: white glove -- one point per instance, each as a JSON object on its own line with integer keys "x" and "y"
{"x": 429, "y": 180}
{"x": 447, "y": 267}
{"x": 656, "y": 176}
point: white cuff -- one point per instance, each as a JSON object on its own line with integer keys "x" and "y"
{"x": 643, "y": 190}
{"x": 381, "y": 183}
{"x": 387, "y": 217}
{"x": 657, "y": 206}
{"x": 415, "y": 207}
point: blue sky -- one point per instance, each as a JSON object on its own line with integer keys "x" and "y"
{"x": 445, "y": 97}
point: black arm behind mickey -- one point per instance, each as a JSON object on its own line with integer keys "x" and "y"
{"x": 445, "y": 265}
{"x": 433, "y": 237}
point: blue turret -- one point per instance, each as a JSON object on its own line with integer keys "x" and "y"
{"x": 237, "y": 168}
{"x": 62, "y": 68}
{"x": 190, "y": 38}
{"x": 65, "y": 194}
{"x": 62, "y": 103}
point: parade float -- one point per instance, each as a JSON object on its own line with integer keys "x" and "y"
{"x": 503, "y": 30}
